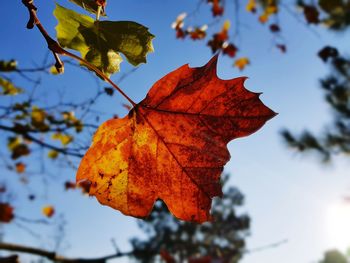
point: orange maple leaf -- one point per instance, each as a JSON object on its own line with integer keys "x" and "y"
{"x": 172, "y": 145}
{"x": 48, "y": 210}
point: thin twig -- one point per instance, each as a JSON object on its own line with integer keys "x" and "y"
{"x": 55, "y": 257}
{"x": 269, "y": 246}
{"x": 64, "y": 151}
{"x": 58, "y": 50}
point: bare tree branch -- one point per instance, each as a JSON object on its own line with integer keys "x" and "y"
{"x": 51, "y": 255}
{"x": 64, "y": 151}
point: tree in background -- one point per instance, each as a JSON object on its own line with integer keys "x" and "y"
{"x": 336, "y": 86}
{"x": 334, "y": 256}
{"x": 172, "y": 240}
{"x": 222, "y": 240}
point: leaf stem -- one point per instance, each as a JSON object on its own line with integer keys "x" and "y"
{"x": 98, "y": 13}
{"x": 58, "y": 50}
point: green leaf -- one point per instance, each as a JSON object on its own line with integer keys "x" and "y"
{"x": 88, "y": 5}
{"x": 100, "y": 42}
{"x": 8, "y": 88}
{"x": 8, "y": 66}
{"x": 52, "y": 154}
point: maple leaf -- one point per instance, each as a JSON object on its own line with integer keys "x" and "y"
{"x": 172, "y": 145}
{"x": 101, "y": 42}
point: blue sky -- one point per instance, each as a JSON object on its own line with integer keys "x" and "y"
{"x": 288, "y": 196}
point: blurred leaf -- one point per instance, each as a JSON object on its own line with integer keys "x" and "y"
{"x": 109, "y": 91}
{"x": 251, "y": 6}
{"x": 20, "y": 167}
{"x": 52, "y": 154}
{"x": 85, "y": 186}
{"x": 311, "y": 14}
{"x": 8, "y": 66}
{"x": 48, "y": 210}
{"x": 230, "y": 50}
{"x": 198, "y": 33}
{"x": 217, "y": 7}
{"x": 6, "y": 213}
{"x": 38, "y": 117}
{"x": 241, "y": 63}
{"x": 19, "y": 151}
{"x": 69, "y": 185}
{"x": 64, "y": 138}
{"x": 100, "y": 42}
{"x": 13, "y": 142}
{"x": 89, "y": 5}
{"x": 328, "y": 52}
{"x": 8, "y": 88}
{"x": 270, "y": 9}
{"x": 218, "y": 40}
{"x": 275, "y": 28}
{"x": 282, "y": 47}
{"x": 17, "y": 147}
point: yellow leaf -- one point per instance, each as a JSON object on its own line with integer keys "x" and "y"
{"x": 8, "y": 88}
{"x": 13, "y": 142}
{"x": 241, "y": 63}
{"x": 52, "y": 154}
{"x": 48, "y": 210}
{"x": 226, "y": 26}
{"x": 251, "y": 6}
{"x": 38, "y": 115}
{"x": 271, "y": 9}
{"x": 64, "y": 138}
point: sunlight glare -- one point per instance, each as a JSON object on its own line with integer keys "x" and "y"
{"x": 338, "y": 225}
